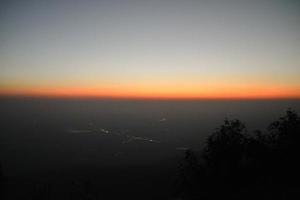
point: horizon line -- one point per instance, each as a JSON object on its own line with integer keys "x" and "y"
{"x": 96, "y": 97}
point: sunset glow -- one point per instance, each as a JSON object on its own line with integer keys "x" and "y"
{"x": 158, "y": 92}
{"x": 163, "y": 49}
{"x": 149, "y": 99}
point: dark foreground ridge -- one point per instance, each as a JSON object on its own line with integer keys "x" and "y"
{"x": 236, "y": 164}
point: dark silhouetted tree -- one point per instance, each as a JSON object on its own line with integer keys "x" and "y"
{"x": 248, "y": 166}
{"x": 225, "y": 148}
{"x": 285, "y": 140}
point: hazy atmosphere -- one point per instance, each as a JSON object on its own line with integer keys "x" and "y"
{"x": 152, "y": 49}
{"x": 149, "y": 99}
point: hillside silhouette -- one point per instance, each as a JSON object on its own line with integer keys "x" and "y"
{"x": 236, "y": 164}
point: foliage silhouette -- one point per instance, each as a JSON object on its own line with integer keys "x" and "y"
{"x": 224, "y": 149}
{"x": 238, "y": 165}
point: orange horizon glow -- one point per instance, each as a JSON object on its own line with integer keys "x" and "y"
{"x": 159, "y": 92}
{"x": 163, "y": 50}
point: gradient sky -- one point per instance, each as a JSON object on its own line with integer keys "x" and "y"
{"x": 150, "y": 49}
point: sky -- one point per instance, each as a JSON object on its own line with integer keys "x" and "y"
{"x": 150, "y": 49}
